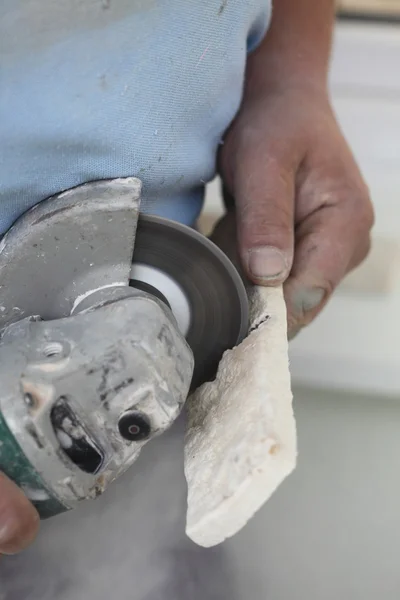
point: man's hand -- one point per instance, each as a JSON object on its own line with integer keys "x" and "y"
{"x": 19, "y": 521}
{"x": 303, "y": 210}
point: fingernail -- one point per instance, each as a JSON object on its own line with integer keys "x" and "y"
{"x": 267, "y": 263}
{"x": 7, "y": 530}
{"x": 307, "y": 299}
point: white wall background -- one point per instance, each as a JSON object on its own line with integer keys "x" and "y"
{"x": 332, "y": 531}
{"x": 354, "y": 344}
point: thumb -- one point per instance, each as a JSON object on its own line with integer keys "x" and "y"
{"x": 19, "y": 521}
{"x": 264, "y": 197}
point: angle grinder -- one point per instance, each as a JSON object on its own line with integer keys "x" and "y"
{"x": 99, "y": 351}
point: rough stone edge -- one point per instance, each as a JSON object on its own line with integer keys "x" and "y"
{"x": 268, "y": 333}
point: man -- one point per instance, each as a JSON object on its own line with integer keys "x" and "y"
{"x": 92, "y": 89}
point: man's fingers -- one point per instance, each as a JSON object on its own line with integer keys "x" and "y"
{"x": 329, "y": 243}
{"x": 19, "y": 521}
{"x": 265, "y": 214}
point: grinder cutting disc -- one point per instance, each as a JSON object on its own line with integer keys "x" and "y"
{"x": 199, "y": 283}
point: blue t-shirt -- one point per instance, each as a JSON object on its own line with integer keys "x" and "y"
{"x": 93, "y": 89}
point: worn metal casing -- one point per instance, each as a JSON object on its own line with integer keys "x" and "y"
{"x": 81, "y": 352}
{"x": 121, "y": 357}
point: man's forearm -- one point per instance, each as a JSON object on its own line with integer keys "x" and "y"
{"x": 297, "y": 46}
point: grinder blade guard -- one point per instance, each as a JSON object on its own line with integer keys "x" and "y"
{"x": 97, "y": 355}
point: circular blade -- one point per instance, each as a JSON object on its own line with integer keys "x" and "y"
{"x": 202, "y": 287}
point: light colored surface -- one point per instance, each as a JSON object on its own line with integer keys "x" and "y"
{"x": 236, "y": 456}
{"x": 354, "y": 343}
{"x": 331, "y": 531}
{"x": 379, "y": 274}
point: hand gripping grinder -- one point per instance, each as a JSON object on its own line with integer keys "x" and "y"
{"x": 107, "y": 319}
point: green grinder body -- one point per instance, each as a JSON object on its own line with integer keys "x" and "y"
{"x": 17, "y": 467}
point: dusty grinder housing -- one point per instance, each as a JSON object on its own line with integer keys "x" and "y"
{"x": 93, "y": 357}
